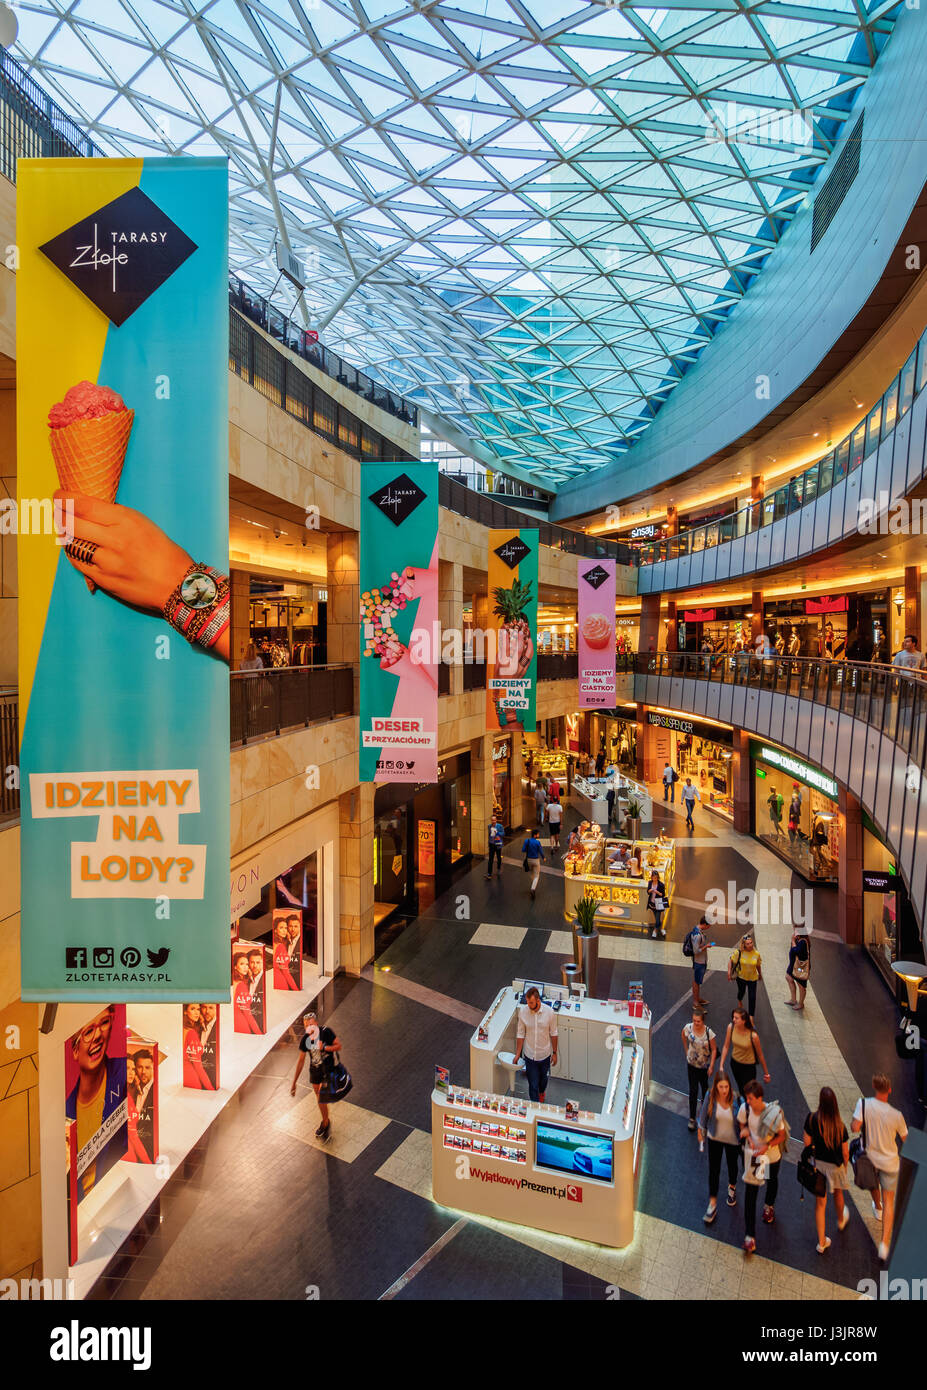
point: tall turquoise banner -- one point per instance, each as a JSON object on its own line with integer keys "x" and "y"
{"x": 400, "y": 636}
{"x": 122, "y": 419}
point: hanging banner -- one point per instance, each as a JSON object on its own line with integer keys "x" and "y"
{"x": 95, "y": 1086}
{"x": 400, "y": 636}
{"x": 201, "y": 1047}
{"x": 512, "y": 664}
{"x": 597, "y": 591}
{"x": 122, "y": 428}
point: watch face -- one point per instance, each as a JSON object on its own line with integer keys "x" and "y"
{"x": 199, "y": 590}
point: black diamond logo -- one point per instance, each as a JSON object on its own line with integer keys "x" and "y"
{"x": 398, "y": 499}
{"x": 513, "y": 551}
{"x": 121, "y": 253}
{"x": 596, "y": 576}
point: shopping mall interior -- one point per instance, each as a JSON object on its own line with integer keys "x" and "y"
{"x": 647, "y": 289}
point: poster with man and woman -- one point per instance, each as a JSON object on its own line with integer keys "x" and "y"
{"x": 142, "y": 1099}
{"x": 288, "y": 948}
{"x": 201, "y": 1047}
{"x": 249, "y": 987}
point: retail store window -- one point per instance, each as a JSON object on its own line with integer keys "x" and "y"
{"x": 798, "y": 820}
{"x": 390, "y": 862}
{"x": 297, "y": 888}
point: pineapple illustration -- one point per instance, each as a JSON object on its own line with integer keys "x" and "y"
{"x": 515, "y": 642}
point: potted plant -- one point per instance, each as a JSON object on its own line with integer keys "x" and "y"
{"x": 634, "y": 816}
{"x": 586, "y": 942}
{"x": 514, "y": 638}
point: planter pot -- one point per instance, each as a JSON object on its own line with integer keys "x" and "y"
{"x": 586, "y": 952}
{"x": 635, "y": 828}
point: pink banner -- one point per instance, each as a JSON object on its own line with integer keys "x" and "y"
{"x": 596, "y": 632}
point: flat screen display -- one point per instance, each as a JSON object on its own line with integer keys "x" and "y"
{"x": 574, "y": 1151}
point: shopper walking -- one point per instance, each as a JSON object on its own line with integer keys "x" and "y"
{"x": 827, "y": 1135}
{"x": 798, "y": 970}
{"x": 697, "y": 943}
{"x": 701, "y": 1049}
{"x": 496, "y": 840}
{"x": 610, "y": 803}
{"x": 746, "y": 967}
{"x": 600, "y": 762}
{"x": 554, "y": 817}
{"x": 742, "y": 1044}
{"x": 533, "y": 856}
{"x": 657, "y": 903}
{"x": 318, "y": 1044}
{"x": 553, "y": 788}
{"x": 909, "y": 657}
{"x": 882, "y": 1126}
{"x": 717, "y": 1119}
{"x": 670, "y": 778}
{"x": 536, "y": 1037}
{"x": 540, "y": 802}
{"x": 765, "y": 1132}
{"x": 690, "y": 794}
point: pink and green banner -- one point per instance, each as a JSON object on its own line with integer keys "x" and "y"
{"x": 400, "y": 636}
{"x": 596, "y": 631}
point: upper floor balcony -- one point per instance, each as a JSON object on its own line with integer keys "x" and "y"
{"x": 835, "y": 499}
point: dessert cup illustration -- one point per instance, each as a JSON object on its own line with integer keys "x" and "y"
{"x": 90, "y": 432}
{"x": 596, "y": 630}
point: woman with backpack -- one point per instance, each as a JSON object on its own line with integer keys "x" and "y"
{"x": 717, "y": 1118}
{"x": 746, "y": 967}
{"x": 798, "y": 971}
{"x": 742, "y": 1042}
{"x": 827, "y": 1135}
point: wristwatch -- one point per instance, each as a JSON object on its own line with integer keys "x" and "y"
{"x": 199, "y": 608}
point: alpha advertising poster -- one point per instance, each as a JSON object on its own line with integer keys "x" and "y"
{"x": 95, "y": 1090}
{"x": 511, "y": 683}
{"x": 122, "y": 427}
{"x": 249, "y": 987}
{"x": 142, "y": 1098}
{"x": 200, "y": 1043}
{"x": 400, "y": 636}
{"x": 596, "y": 586}
{"x": 288, "y": 948}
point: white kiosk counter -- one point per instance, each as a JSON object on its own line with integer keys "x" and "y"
{"x": 499, "y": 1156}
{"x": 589, "y": 795}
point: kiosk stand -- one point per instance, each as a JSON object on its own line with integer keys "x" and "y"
{"x": 574, "y": 1173}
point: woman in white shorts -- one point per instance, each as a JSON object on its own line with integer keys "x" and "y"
{"x": 827, "y": 1135}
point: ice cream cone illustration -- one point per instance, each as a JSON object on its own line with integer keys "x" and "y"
{"x": 90, "y": 432}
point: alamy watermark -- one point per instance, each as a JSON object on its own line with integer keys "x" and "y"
{"x": 38, "y": 516}
{"x": 760, "y": 907}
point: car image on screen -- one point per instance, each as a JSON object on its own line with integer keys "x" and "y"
{"x": 575, "y": 1152}
{"x": 593, "y": 1163}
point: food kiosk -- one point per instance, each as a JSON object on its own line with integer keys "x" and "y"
{"x": 595, "y": 870}
{"x": 589, "y": 796}
{"x": 557, "y": 1168}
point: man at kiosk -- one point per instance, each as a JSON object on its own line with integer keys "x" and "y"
{"x": 536, "y": 1035}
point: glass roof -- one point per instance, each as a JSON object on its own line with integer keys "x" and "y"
{"x": 529, "y": 217}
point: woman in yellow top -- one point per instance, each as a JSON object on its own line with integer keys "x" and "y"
{"x": 745, "y": 966}
{"x": 742, "y": 1041}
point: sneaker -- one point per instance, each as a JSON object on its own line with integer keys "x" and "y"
{"x": 883, "y": 1252}
{"x": 653, "y": 934}
{"x": 826, "y": 1246}
{"x": 749, "y": 1245}
{"x": 691, "y": 1124}
{"x": 321, "y": 1130}
{"x": 731, "y": 1195}
{"x": 876, "y": 1211}
{"x": 326, "y": 1132}
{"x": 663, "y": 936}
{"x": 710, "y": 1215}
{"x": 769, "y": 1215}
{"x": 842, "y": 1225}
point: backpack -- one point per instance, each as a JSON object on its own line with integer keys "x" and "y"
{"x": 687, "y": 948}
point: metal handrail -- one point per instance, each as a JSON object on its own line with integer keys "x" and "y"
{"x": 813, "y": 481}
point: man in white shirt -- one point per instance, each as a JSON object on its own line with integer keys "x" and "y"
{"x": 909, "y": 656}
{"x": 536, "y": 1036}
{"x": 884, "y": 1125}
{"x": 690, "y": 794}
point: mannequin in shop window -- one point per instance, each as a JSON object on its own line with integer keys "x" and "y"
{"x": 774, "y": 801}
{"x": 832, "y": 645}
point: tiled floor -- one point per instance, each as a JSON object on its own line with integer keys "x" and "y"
{"x": 261, "y": 1210}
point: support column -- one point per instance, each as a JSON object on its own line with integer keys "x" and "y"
{"x": 355, "y": 815}
{"x": 520, "y": 813}
{"x": 240, "y": 595}
{"x": 756, "y": 623}
{"x": 480, "y": 793}
{"x": 850, "y": 870}
{"x": 639, "y": 742}
{"x": 648, "y": 639}
{"x": 344, "y": 604}
{"x": 757, "y": 493}
{"x": 912, "y": 602}
{"x": 672, "y": 628}
{"x": 742, "y": 781}
{"x": 450, "y": 613}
